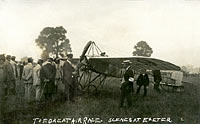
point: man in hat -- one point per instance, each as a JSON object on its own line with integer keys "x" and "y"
{"x": 14, "y": 67}
{"x": 157, "y": 79}
{"x": 127, "y": 84}
{"x": 27, "y": 77}
{"x": 2, "y": 86}
{"x": 10, "y": 78}
{"x": 47, "y": 77}
{"x": 36, "y": 79}
{"x": 143, "y": 80}
{"x": 21, "y": 68}
{"x": 58, "y": 77}
{"x": 68, "y": 78}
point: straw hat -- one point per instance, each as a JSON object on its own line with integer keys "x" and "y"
{"x": 126, "y": 62}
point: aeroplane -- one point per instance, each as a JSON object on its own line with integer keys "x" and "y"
{"x": 96, "y": 65}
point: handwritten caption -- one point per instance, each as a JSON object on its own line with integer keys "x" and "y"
{"x": 87, "y": 120}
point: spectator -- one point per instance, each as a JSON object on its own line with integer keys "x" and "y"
{"x": 36, "y": 79}
{"x": 157, "y": 79}
{"x": 2, "y": 86}
{"x": 143, "y": 80}
{"x": 21, "y": 68}
{"x": 69, "y": 82}
{"x": 47, "y": 76}
{"x": 28, "y": 79}
{"x": 127, "y": 84}
{"x": 10, "y": 78}
{"x": 14, "y": 65}
{"x": 58, "y": 78}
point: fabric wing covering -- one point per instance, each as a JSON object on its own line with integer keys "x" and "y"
{"x": 111, "y": 66}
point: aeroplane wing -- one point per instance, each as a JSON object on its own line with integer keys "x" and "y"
{"x": 112, "y": 65}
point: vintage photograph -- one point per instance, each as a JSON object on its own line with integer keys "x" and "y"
{"x": 99, "y": 61}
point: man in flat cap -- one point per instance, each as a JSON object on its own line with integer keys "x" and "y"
{"x": 127, "y": 84}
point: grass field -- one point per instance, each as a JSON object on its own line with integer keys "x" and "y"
{"x": 181, "y": 108}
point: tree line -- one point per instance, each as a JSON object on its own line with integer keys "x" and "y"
{"x": 54, "y": 42}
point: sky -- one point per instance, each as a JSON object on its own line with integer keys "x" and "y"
{"x": 170, "y": 27}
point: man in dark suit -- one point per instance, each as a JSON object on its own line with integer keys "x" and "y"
{"x": 157, "y": 79}
{"x": 68, "y": 78}
{"x": 143, "y": 80}
{"x": 127, "y": 84}
{"x": 47, "y": 76}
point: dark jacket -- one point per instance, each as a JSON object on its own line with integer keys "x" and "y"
{"x": 9, "y": 72}
{"x": 47, "y": 76}
{"x": 2, "y": 73}
{"x": 127, "y": 86}
{"x": 157, "y": 75}
{"x": 67, "y": 72}
{"x": 143, "y": 80}
{"x": 128, "y": 73}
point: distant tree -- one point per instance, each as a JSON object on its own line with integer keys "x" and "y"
{"x": 53, "y": 41}
{"x": 142, "y": 49}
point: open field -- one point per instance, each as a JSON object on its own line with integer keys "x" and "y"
{"x": 181, "y": 108}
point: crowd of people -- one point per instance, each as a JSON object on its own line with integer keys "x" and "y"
{"x": 43, "y": 76}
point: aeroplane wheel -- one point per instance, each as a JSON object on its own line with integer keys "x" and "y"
{"x": 92, "y": 89}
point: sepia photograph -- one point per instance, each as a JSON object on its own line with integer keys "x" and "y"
{"x": 99, "y": 62}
